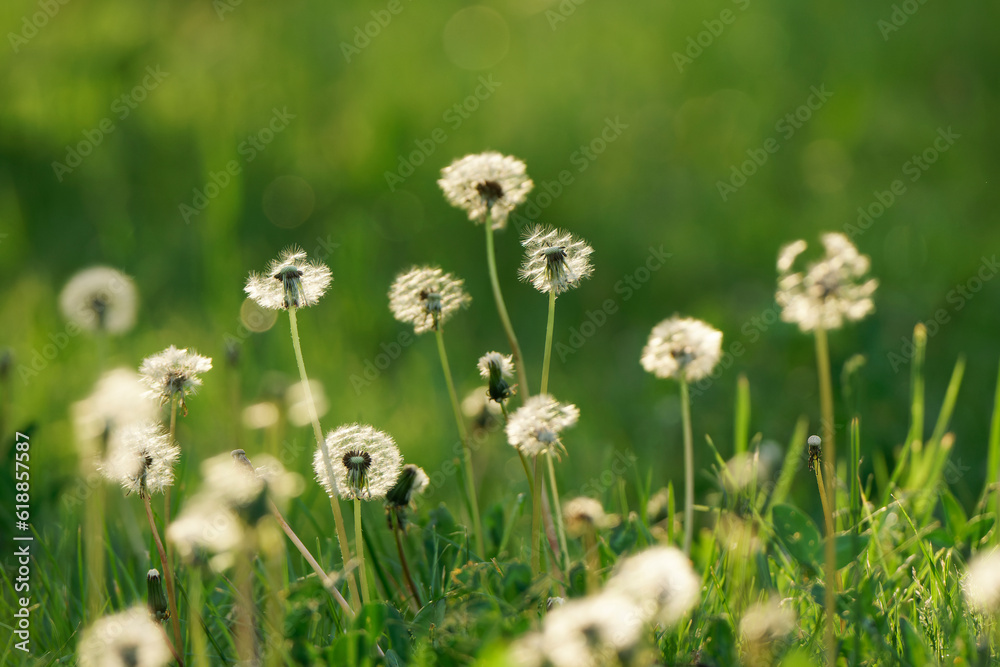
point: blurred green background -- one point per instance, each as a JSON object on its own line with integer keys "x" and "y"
{"x": 358, "y": 106}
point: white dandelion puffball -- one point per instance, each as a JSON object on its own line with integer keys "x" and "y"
{"x": 127, "y": 639}
{"x": 486, "y": 184}
{"x": 207, "y": 531}
{"x": 291, "y": 281}
{"x": 362, "y": 462}
{"x": 534, "y": 427}
{"x": 100, "y": 299}
{"x": 683, "y": 348}
{"x": 497, "y": 369}
{"x": 426, "y": 297}
{"x": 118, "y": 399}
{"x": 584, "y": 515}
{"x": 173, "y": 373}
{"x": 830, "y": 291}
{"x": 661, "y": 581}
{"x": 141, "y": 458}
{"x": 981, "y": 584}
{"x": 554, "y": 260}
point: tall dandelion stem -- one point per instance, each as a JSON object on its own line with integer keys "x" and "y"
{"x": 470, "y": 480}
{"x": 522, "y": 374}
{"x": 557, "y": 507}
{"x": 199, "y": 645}
{"x": 688, "y": 466}
{"x": 536, "y": 519}
{"x": 345, "y": 550}
{"x": 826, "y": 410}
{"x": 166, "y": 491}
{"x": 168, "y": 575}
{"x": 549, "y": 328}
{"x": 359, "y": 546}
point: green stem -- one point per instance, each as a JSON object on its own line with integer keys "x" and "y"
{"x": 830, "y": 447}
{"x": 199, "y": 645}
{"x": 491, "y": 260}
{"x": 338, "y": 517}
{"x": 557, "y": 506}
{"x": 470, "y": 480}
{"x": 397, "y": 530}
{"x": 688, "y": 467}
{"x": 536, "y": 519}
{"x": 548, "y": 342}
{"x": 166, "y": 492}
{"x": 359, "y": 546}
{"x": 168, "y": 576}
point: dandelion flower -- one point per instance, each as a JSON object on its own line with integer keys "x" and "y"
{"x": 365, "y": 463}
{"x": 497, "y": 369}
{"x": 127, "y": 639}
{"x": 981, "y": 583}
{"x": 764, "y": 626}
{"x": 118, "y": 399}
{"x": 660, "y": 580}
{"x": 584, "y": 515}
{"x": 682, "y": 347}
{"x": 535, "y": 426}
{"x": 426, "y": 297}
{"x": 830, "y": 291}
{"x": 554, "y": 260}
{"x": 100, "y": 299}
{"x": 173, "y": 373}
{"x": 141, "y": 458}
{"x": 486, "y": 184}
{"x": 291, "y": 281}
{"x": 206, "y": 531}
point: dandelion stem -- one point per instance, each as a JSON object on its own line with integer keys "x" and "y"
{"x": 593, "y": 560}
{"x": 199, "y": 645}
{"x": 470, "y": 480}
{"x": 338, "y": 517}
{"x": 688, "y": 467}
{"x": 536, "y": 519}
{"x": 168, "y": 576}
{"x": 359, "y": 546}
{"x": 397, "y": 530}
{"x": 826, "y": 410}
{"x": 166, "y": 491}
{"x": 515, "y": 349}
{"x": 558, "y": 512}
{"x": 95, "y": 551}
{"x": 549, "y": 327}
{"x": 245, "y": 633}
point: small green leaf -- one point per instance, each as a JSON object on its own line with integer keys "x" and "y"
{"x": 848, "y": 548}
{"x": 798, "y": 534}
{"x": 955, "y": 518}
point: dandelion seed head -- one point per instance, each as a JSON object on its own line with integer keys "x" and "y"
{"x": 534, "y": 427}
{"x": 767, "y": 622}
{"x": 207, "y": 531}
{"x": 554, "y": 260}
{"x": 291, "y": 281}
{"x": 830, "y": 291}
{"x": 365, "y": 463}
{"x": 486, "y": 184}
{"x": 173, "y": 372}
{"x": 426, "y": 297}
{"x": 598, "y": 630}
{"x": 682, "y": 347}
{"x": 141, "y": 458}
{"x": 981, "y": 583}
{"x": 297, "y": 401}
{"x": 128, "y": 639}
{"x": 100, "y": 299}
{"x": 584, "y": 515}
{"x": 118, "y": 400}
{"x": 660, "y": 580}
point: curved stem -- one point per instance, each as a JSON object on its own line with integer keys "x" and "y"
{"x": 522, "y": 373}
{"x": 688, "y": 467}
{"x": 548, "y": 343}
{"x": 470, "y": 480}
{"x": 359, "y": 546}
{"x": 168, "y": 577}
{"x": 338, "y": 517}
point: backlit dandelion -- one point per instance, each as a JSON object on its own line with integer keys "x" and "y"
{"x": 981, "y": 583}
{"x": 584, "y": 515}
{"x": 173, "y": 373}
{"x": 682, "y": 347}
{"x": 291, "y": 281}
{"x": 100, "y": 299}
{"x": 487, "y": 184}
{"x": 426, "y": 297}
{"x": 554, "y": 260}
{"x": 497, "y": 369}
{"x": 830, "y": 291}
{"x": 118, "y": 399}
{"x": 534, "y": 427}
{"x": 127, "y": 639}
{"x": 141, "y": 459}
{"x": 764, "y": 627}
{"x": 661, "y": 581}
{"x": 365, "y": 462}
{"x": 597, "y": 630}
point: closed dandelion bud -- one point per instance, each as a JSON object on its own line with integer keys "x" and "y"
{"x": 412, "y": 482}
{"x": 497, "y": 369}
{"x": 156, "y": 600}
